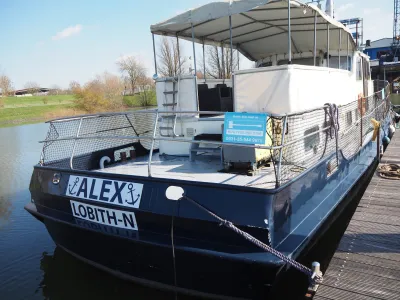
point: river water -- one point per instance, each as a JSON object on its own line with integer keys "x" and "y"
{"x": 31, "y": 266}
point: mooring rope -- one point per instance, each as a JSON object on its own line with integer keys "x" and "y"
{"x": 389, "y": 171}
{"x": 314, "y": 277}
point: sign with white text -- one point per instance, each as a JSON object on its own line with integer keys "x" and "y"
{"x": 245, "y": 128}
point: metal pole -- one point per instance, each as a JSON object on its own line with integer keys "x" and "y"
{"x": 340, "y": 44}
{"x": 204, "y": 64}
{"x": 289, "y": 36}
{"x": 195, "y": 70}
{"x": 357, "y": 34}
{"x": 194, "y": 52}
{"x": 223, "y": 61}
{"x": 348, "y": 53}
{"x": 152, "y": 145}
{"x": 315, "y": 38}
{"x": 73, "y": 148}
{"x": 230, "y": 36}
{"x": 179, "y": 54}
{"x": 155, "y": 57}
{"x": 327, "y": 52}
{"x": 237, "y": 51}
{"x": 278, "y": 181}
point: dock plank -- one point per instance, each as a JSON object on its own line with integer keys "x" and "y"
{"x": 366, "y": 264}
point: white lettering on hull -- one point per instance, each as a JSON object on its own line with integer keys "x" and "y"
{"x": 105, "y": 216}
{"x": 121, "y": 193}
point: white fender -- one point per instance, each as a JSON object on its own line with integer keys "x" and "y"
{"x": 104, "y": 159}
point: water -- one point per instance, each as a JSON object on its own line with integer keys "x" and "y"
{"x": 32, "y": 267}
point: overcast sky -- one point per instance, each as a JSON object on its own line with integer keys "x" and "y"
{"x": 54, "y": 42}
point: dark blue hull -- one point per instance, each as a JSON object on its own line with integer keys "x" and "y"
{"x": 209, "y": 259}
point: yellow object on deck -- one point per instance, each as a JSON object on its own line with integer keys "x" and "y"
{"x": 376, "y": 125}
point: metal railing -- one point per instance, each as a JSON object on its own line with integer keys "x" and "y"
{"x": 287, "y": 146}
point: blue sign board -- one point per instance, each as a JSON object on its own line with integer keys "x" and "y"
{"x": 245, "y": 128}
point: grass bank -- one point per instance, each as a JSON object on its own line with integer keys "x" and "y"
{"x": 36, "y": 109}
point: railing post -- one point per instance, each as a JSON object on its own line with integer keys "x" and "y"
{"x": 73, "y": 148}
{"x": 378, "y": 146}
{"x": 152, "y": 145}
{"x": 361, "y": 121}
{"x": 278, "y": 177}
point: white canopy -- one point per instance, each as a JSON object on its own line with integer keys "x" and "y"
{"x": 259, "y": 27}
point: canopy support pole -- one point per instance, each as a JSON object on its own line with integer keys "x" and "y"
{"x": 237, "y": 51}
{"x": 155, "y": 57}
{"x": 204, "y": 64}
{"x": 230, "y": 36}
{"x": 315, "y": 38}
{"x": 194, "y": 52}
{"x": 327, "y": 52}
{"x": 348, "y": 53}
{"x": 289, "y": 36}
{"x": 195, "y": 69}
{"x": 179, "y": 55}
{"x": 223, "y": 62}
{"x": 340, "y": 44}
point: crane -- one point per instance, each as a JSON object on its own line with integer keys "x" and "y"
{"x": 396, "y": 25}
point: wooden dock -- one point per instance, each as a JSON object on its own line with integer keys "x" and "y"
{"x": 366, "y": 264}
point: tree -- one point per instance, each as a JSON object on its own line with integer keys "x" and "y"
{"x": 102, "y": 93}
{"x": 74, "y": 86}
{"x": 5, "y": 85}
{"x": 216, "y": 67}
{"x": 133, "y": 68}
{"x": 55, "y": 90}
{"x": 32, "y": 87}
{"x": 171, "y": 62}
{"x": 146, "y": 86}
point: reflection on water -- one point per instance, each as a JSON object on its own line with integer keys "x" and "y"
{"x": 64, "y": 277}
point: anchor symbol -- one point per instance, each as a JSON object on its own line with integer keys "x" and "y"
{"x": 70, "y": 189}
{"x": 131, "y": 190}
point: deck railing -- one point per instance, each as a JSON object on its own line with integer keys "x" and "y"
{"x": 297, "y": 141}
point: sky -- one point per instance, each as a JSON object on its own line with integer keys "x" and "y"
{"x": 53, "y": 42}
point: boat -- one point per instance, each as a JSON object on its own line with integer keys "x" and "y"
{"x": 271, "y": 153}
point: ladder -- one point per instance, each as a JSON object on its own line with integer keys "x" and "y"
{"x": 170, "y": 103}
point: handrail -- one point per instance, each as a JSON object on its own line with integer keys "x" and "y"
{"x": 73, "y": 148}
{"x": 152, "y": 146}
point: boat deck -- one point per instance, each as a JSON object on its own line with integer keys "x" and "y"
{"x": 206, "y": 168}
{"x": 366, "y": 264}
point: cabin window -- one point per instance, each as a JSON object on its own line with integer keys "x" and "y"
{"x": 312, "y": 141}
{"x": 359, "y": 69}
{"x": 349, "y": 118}
{"x": 334, "y": 62}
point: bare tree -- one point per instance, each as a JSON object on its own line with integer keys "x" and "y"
{"x": 55, "y": 90}
{"x": 133, "y": 68}
{"x": 219, "y": 63}
{"x": 5, "y": 85}
{"x": 74, "y": 86}
{"x": 32, "y": 87}
{"x": 171, "y": 62}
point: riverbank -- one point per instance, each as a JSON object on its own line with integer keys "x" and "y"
{"x": 36, "y": 109}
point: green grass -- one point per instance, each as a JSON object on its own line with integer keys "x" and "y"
{"x": 25, "y": 110}
{"x": 12, "y": 102}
